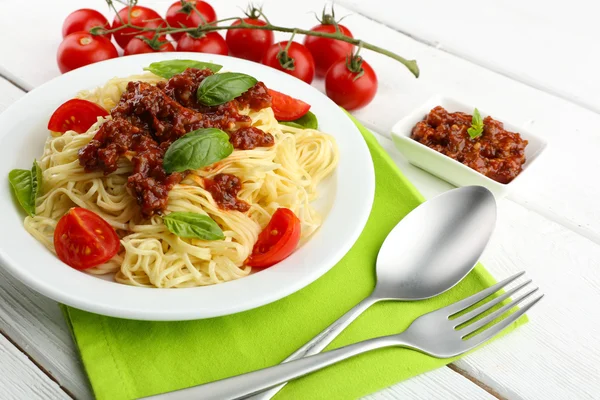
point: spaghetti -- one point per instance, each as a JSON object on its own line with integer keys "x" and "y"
{"x": 284, "y": 175}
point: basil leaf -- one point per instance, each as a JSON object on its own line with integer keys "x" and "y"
{"x": 221, "y": 88}
{"x": 36, "y": 175}
{"x": 476, "y": 128}
{"x": 307, "y": 121}
{"x": 193, "y": 225}
{"x": 197, "y": 149}
{"x": 167, "y": 69}
{"x": 22, "y": 184}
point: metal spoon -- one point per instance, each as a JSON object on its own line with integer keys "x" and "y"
{"x": 428, "y": 252}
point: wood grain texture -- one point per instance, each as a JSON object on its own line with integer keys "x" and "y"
{"x": 549, "y": 227}
{"x": 21, "y": 379}
{"x": 543, "y": 44}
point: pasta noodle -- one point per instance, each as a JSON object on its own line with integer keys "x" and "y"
{"x": 284, "y": 175}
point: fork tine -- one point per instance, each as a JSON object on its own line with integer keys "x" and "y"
{"x": 495, "y": 329}
{"x": 477, "y": 297}
{"x": 473, "y": 313}
{"x": 467, "y": 330}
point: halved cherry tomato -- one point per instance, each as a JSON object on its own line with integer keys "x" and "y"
{"x": 287, "y": 108}
{"x": 75, "y": 115}
{"x": 277, "y": 241}
{"x": 83, "y": 240}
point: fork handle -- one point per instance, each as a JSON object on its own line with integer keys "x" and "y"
{"x": 243, "y": 386}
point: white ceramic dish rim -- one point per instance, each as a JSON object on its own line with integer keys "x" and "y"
{"x": 339, "y": 231}
{"x": 404, "y": 132}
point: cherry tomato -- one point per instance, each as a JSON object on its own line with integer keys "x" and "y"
{"x": 75, "y": 115}
{"x": 298, "y": 62}
{"x": 250, "y": 44}
{"x": 140, "y": 16}
{"x": 347, "y": 88}
{"x": 82, "y": 48}
{"x": 287, "y": 108}
{"x": 83, "y": 240}
{"x": 182, "y": 13}
{"x": 84, "y": 20}
{"x": 327, "y": 51}
{"x": 138, "y": 46}
{"x": 277, "y": 241}
{"x": 210, "y": 42}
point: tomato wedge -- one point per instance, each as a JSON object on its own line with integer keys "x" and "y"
{"x": 287, "y": 108}
{"x": 75, "y": 115}
{"x": 277, "y": 241}
{"x": 83, "y": 240}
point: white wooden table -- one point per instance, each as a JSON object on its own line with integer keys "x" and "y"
{"x": 531, "y": 62}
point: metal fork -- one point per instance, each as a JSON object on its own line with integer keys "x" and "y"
{"x": 438, "y": 333}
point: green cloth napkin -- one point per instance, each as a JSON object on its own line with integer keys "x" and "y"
{"x": 126, "y": 359}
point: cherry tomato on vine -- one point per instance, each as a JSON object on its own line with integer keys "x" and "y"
{"x": 210, "y": 42}
{"x": 139, "y": 46}
{"x": 83, "y": 20}
{"x": 83, "y": 240}
{"x": 287, "y": 108}
{"x": 295, "y": 60}
{"x": 250, "y": 44}
{"x": 351, "y": 83}
{"x": 75, "y": 115}
{"x": 327, "y": 51}
{"x": 82, "y": 48}
{"x": 140, "y": 16}
{"x": 277, "y": 241}
{"x": 182, "y": 13}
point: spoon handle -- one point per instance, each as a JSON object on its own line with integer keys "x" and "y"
{"x": 319, "y": 342}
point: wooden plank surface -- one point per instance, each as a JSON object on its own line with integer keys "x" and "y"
{"x": 547, "y": 45}
{"x": 550, "y": 226}
{"x": 21, "y": 379}
{"x": 35, "y": 323}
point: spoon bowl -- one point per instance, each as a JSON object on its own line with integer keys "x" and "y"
{"x": 428, "y": 252}
{"x": 436, "y": 245}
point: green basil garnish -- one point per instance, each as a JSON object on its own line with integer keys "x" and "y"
{"x": 25, "y": 184}
{"x": 221, "y": 88}
{"x": 167, "y": 69}
{"x": 307, "y": 121}
{"x": 193, "y": 225}
{"x": 197, "y": 149}
{"x": 476, "y": 128}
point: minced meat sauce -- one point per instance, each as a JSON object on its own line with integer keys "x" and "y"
{"x": 497, "y": 153}
{"x": 224, "y": 189}
{"x": 149, "y": 118}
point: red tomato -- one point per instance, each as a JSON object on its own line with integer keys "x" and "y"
{"x": 250, "y": 44}
{"x": 210, "y": 42}
{"x": 75, "y": 115}
{"x": 277, "y": 241}
{"x": 84, "y": 20}
{"x": 327, "y": 51}
{"x": 347, "y": 88}
{"x": 298, "y": 62}
{"x": 82, "y": 48}
{"x": 182, "y": 13}
{"x": 287, "y": 108}
{"x": 140, "y": 16}
{"x": 138, "y": 46}
{"x": 82, "y": 239}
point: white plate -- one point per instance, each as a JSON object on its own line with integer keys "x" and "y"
{"x": 350, "y": 197}
{"x": 447, "y": 168}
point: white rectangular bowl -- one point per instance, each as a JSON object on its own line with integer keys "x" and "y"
{"x": 447, "y": 168}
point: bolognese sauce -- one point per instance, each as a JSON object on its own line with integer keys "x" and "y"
{"x": 149, "y": 118}
{"x": 497, "y": 153}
